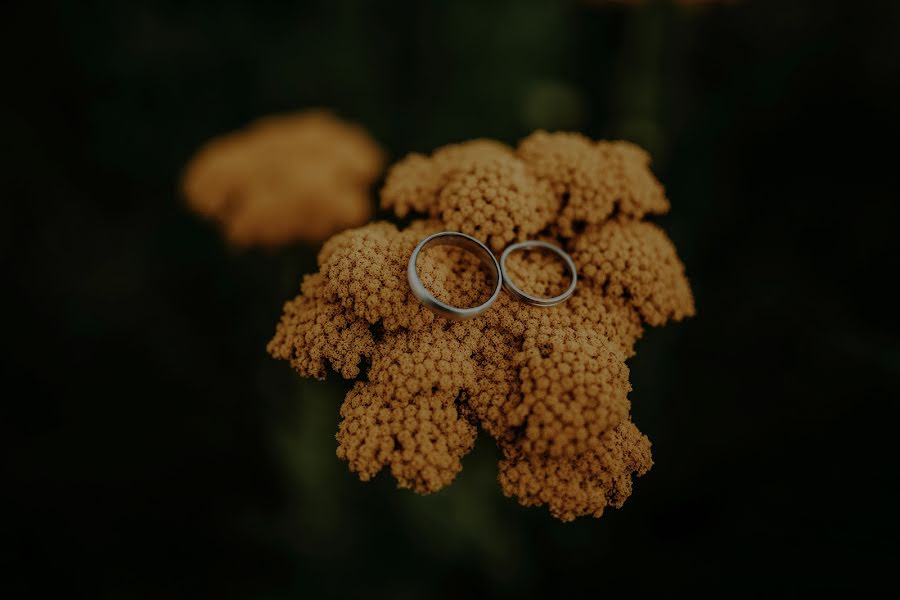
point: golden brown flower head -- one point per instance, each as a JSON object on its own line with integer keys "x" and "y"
{"x": 574, "y": 488}
{"x": 298, "y": 177}
{"x": 550, "y": 385}
{"x": 593, "y": 179}
{"x": 636, "y": 260}
{"x": 314, "y": 330}
{"x": 480, "y": 188}
{"x": 422, "y": 439}
{"x": 573, "y": 385}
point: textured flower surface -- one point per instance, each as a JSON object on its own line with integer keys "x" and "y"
{"x": 550, "y": 385}
{"x": 298, "y": 177}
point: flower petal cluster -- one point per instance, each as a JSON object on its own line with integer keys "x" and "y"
{"x": 287, "y": 178}
{"x": 550, "y": 385}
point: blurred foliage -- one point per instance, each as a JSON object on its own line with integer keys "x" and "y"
{"x": 156, "y": 451}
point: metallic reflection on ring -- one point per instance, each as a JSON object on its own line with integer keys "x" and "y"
{"x": 467, "y": 242}
{"x": 513, "y": 289}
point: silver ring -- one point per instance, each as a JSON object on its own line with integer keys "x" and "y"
{"x": 513, "y": 289}
{"x": 467, "y": 242}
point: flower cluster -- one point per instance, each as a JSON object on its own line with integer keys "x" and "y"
{"x": 550, "y": 385}
{"x": 298, "y": 177}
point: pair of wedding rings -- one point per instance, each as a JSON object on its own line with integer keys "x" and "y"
{"x": 498, "y": 276}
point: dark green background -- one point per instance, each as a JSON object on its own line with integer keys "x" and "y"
{"x": 154, "y": 450}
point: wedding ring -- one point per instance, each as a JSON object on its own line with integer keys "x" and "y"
{"x": 467, "y": 242}
{"x": 513, "y": 289}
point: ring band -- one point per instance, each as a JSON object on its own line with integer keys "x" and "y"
{"x": 513, "y": 289}
{"x": 467, "y": 242}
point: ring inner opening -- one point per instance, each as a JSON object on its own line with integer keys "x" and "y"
{"x": 538, "y": 272}
{"x": 455, "y": 276}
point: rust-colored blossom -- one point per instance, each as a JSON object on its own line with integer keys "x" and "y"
{"x": 282, "y": 179}
{"x": 550, "y": 385}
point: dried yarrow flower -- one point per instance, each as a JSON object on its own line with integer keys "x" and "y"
{"x": 282, "y": 179}
{"x": 550, "y": 385}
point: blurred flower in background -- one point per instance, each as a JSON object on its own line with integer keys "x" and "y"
{"x": 287, "y": 178}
